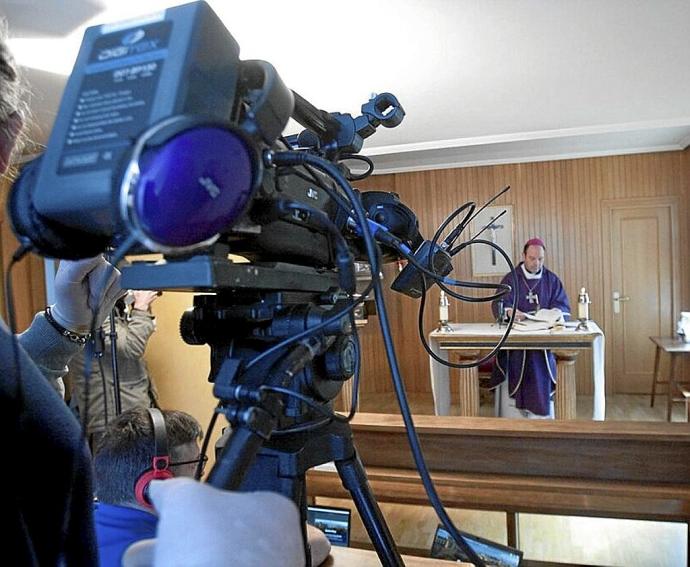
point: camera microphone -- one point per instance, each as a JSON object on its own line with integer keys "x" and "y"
{"x": 413, "y": 282}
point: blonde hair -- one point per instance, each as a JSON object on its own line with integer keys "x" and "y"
{"x": 13, "y": 91}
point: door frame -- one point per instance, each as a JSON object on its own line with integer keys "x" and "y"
{"x": 607, "y": 207}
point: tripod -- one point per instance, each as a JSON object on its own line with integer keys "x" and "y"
{"x": 275, "y": 438}
{"x": 280, "y": 466}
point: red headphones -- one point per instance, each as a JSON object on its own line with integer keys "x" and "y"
{"x": 160, "y": 468}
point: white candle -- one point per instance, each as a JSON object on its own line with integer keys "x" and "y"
{"x": 443, "y": 304}
{"x": 583, "y": 305}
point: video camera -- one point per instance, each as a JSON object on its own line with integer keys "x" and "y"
{"x": 164, "y": 135}
{"x": 167, "y": 142}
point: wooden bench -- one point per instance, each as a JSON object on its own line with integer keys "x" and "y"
{"x": 351, "y": 557}
{"x": 608, "y": 469}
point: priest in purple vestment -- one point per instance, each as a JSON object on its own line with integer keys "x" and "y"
{"x": 531, "y": 374}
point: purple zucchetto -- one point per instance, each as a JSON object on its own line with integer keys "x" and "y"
{"x": 535, "y": 242}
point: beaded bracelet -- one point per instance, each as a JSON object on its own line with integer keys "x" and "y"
{"x": 70, "y": 335}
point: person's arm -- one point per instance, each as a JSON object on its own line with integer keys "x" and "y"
{"x": 143, "y": 298}
{"x": 51, "y": 516}
{"x": 134, "y": 335}
{"x": 559, "y": 299}
{"x": 318, "y": 544}
{"x": 49, "y": 350}
{"x": 141, "y": 553}
{"x": 507, "y": 301}
{"x": 519, "y": 315}
{"x": 52, "y": 344}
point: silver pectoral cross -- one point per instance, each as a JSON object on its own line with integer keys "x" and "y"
{"x": 532, "y": 297}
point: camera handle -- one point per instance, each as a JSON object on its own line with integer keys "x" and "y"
{"x": 337, "y": 133}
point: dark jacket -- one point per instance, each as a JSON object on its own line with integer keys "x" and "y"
{"x": 47, "y": 516}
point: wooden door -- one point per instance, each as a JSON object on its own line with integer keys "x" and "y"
{"x": 641, "y": 295}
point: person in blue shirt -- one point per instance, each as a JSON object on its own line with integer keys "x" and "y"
{"x": 138, "y": 446}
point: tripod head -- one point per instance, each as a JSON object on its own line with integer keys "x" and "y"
{"x": 242, "y": 326}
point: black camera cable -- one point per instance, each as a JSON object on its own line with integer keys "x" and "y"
{"x": 455, "y": 233}
{"x": 100, "y": 289}
{"x": 296, "y": 158}
{"x": 502, "y": 340}
{"x": 445, "y": 281}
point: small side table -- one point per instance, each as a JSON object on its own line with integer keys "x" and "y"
{"x": 676, "y": 348}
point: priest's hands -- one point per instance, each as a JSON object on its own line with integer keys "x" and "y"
{"x": 519, "y": 315}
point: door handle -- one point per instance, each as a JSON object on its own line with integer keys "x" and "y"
{"x": 617, "y": 298}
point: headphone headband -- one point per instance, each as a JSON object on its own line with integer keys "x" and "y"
{"x": 160, "y": 463}
{"x": 160, "y": 434}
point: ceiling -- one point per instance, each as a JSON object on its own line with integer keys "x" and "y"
{"x": 482, "y": 82}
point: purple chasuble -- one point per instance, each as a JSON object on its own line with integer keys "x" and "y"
{"x": 531, "y": 373}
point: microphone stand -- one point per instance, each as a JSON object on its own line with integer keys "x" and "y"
{"x": 113, "y": 355}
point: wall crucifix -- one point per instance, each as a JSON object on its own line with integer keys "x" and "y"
{"x": 486, "y": 261}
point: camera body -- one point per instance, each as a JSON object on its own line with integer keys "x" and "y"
{"x": 162, "y": 138}
{"x": 128, "y": 77}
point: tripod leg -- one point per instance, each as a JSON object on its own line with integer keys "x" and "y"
{"x": 264, "y": 473}
{"x": 237, "y": 455}
{"x": 355, "y": 481}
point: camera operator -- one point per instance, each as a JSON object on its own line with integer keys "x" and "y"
{"x": 47, "y": 517}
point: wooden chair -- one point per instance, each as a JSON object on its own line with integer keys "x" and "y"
{"x": 686, "y": 396}
{"x": 676, "y": 384}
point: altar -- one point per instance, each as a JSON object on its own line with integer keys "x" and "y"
{"x": 472, "y": 341}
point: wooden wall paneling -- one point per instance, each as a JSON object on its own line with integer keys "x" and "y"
{"x": 684, "y": 210}
{"x": 559, "y": 201}
{"x": 682, "y": 172}
{"x": 375, "y": 371}
{"x": 27, "y": 276}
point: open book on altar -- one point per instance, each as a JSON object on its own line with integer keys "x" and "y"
{"x": 540, "y": 321}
